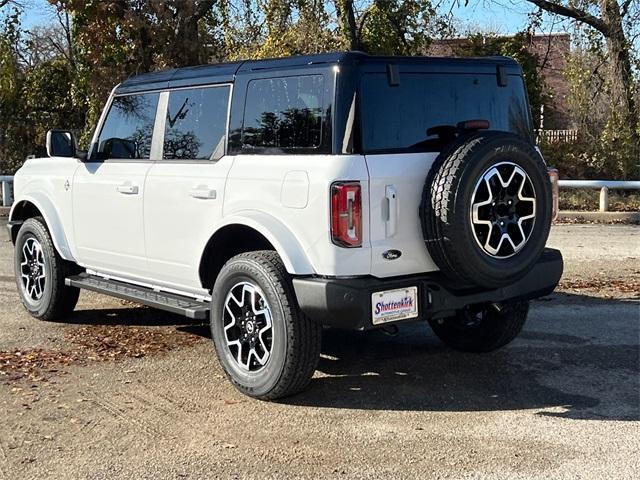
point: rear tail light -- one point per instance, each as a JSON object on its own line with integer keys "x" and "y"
{"x": 346, "y": 214}
{"x": 553, "y": 177}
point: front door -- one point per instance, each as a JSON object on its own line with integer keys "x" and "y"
{"x": 109, "y": 190}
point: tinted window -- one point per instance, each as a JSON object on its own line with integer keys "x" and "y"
{"x": 284, "y": 113}
{"x": 128, "y": 129}
{"x": 196, "y": 123}
{"x": 397, "y": 117}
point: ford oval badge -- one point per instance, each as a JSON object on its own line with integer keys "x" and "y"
{"x": 391, "y": 254}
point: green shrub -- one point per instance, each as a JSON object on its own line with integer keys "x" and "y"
{"x": 603, "y": 158}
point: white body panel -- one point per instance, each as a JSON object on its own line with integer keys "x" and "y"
{"x": 108, "y": 227}
{"x": 43, "y": 182}
{"x": 149, "y": 222}
{"x": 268, "y": 183}
{"x": 395, "y": 191}
{"x": 182, "y": 201}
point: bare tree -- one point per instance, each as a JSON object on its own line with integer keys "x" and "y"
{"x": 610, "y": 23}
{"x": 4, "y": 3}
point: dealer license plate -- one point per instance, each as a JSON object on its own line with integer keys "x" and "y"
{"x": 394, "y": 305}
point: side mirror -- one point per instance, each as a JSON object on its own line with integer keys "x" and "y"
{"x": 61, "y": 143}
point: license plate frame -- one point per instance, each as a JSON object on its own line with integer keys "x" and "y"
{"x": 394, "y": 305}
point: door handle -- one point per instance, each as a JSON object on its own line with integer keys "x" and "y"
{"x": 204, "y": 192}
{"x": 391, "y": 223}
{"x": 128, "y": 189}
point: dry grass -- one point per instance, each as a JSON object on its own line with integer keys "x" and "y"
{"x": 588, "y": 200}
{"x": 629, "y": 287}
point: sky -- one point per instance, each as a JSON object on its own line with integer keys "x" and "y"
{"x": 500, "y": 16}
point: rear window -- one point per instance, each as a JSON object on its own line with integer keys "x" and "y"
{"x": 196, "y": 123}
{"x": 396, "y": 118}
{"x": 283, "y": 114}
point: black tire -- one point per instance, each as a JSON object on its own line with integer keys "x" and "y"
{"x": 56, "y": 300}
{"x": 446, "y": 209}
{"x": 481, "y": 328}
{"x": 295, "y": 339}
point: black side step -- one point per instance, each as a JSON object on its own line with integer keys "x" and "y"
{"x": 189, "y": 307}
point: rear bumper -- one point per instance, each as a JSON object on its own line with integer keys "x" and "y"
{"x": 346, "y": 302}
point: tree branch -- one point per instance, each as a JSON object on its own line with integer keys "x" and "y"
{"x": 574, "y": 13}
{"x": 203, "y": 7}
{"x": 363, "y": 19}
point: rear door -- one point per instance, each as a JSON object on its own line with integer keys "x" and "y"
{"x": 399, "y": 154}
{"x": 185, "y": 190}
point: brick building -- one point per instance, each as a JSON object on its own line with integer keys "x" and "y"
{"x": 551, "y": 51}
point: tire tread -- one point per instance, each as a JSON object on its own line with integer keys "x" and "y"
{"x": 304, "y": 335}
{"x": 63, "y": 298}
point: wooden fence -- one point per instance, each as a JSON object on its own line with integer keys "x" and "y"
{"x": 557, "y": 136}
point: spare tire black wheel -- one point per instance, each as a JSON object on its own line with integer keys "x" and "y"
{"x": 486, "y": 209}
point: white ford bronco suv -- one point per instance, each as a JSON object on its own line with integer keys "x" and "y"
{"x": 274, "y": 197}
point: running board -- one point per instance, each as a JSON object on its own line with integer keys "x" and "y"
{"x": 189, "y": 307}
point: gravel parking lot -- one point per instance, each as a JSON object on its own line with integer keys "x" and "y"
{"x": 120, "y": 391}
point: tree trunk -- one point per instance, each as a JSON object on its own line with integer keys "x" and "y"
{"x": 347, "y": 24}
{"x": 187, "y": 42}
{"x": 622, "y": 84}
{"x": 186, "y": 48}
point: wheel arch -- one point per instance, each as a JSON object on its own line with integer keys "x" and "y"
{"x": 249, "y": 232}
{"x": 39, "y": 205}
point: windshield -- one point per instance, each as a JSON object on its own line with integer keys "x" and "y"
{"x": 396, "y": 118}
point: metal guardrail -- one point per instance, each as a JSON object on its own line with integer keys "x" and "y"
{"x": 603, "y": 185}
{"x": 7, "y": 190}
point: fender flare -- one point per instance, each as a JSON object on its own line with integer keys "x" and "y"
{"x": 52, "y": 219}
{"x": 283, "y": 240}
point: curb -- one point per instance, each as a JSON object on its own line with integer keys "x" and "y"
{"x": 599, "y": 217}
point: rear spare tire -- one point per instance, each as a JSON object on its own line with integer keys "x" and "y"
{"x": 486, "y": 209}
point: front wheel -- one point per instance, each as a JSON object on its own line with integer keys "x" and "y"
{"x": 267, "y": 347}
{"x": 40, "y": 273}
{"x": 481, "y": 328}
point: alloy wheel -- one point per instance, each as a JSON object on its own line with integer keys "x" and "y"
{"x": 248, "y": 326}
{"x": 503, "y": 210}
{"x": 33, "y": 269}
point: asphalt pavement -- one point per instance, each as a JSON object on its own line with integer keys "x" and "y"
{"x": 561, "y": 401}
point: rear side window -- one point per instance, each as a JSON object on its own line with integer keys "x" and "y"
{"x": 283, "y": 114}
{"x": 396, "y": 118}
{"x": 128, "y": 128}
{"x": 196, "y": 123}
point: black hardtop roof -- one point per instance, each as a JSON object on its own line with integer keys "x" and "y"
{"x": 226, "y": 72}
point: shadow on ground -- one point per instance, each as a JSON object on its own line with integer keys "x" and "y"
{"x": 591, "y": 376}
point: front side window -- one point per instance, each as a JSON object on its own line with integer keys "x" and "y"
{"x": 196, "y": 123}
{"x": 284, "y": 113}
{"x": 128, "y": 128}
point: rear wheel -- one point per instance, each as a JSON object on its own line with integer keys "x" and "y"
{"x": 40, "y": 273}
{"x": 267, "y": 347}
{"x": 481, "y": 328}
